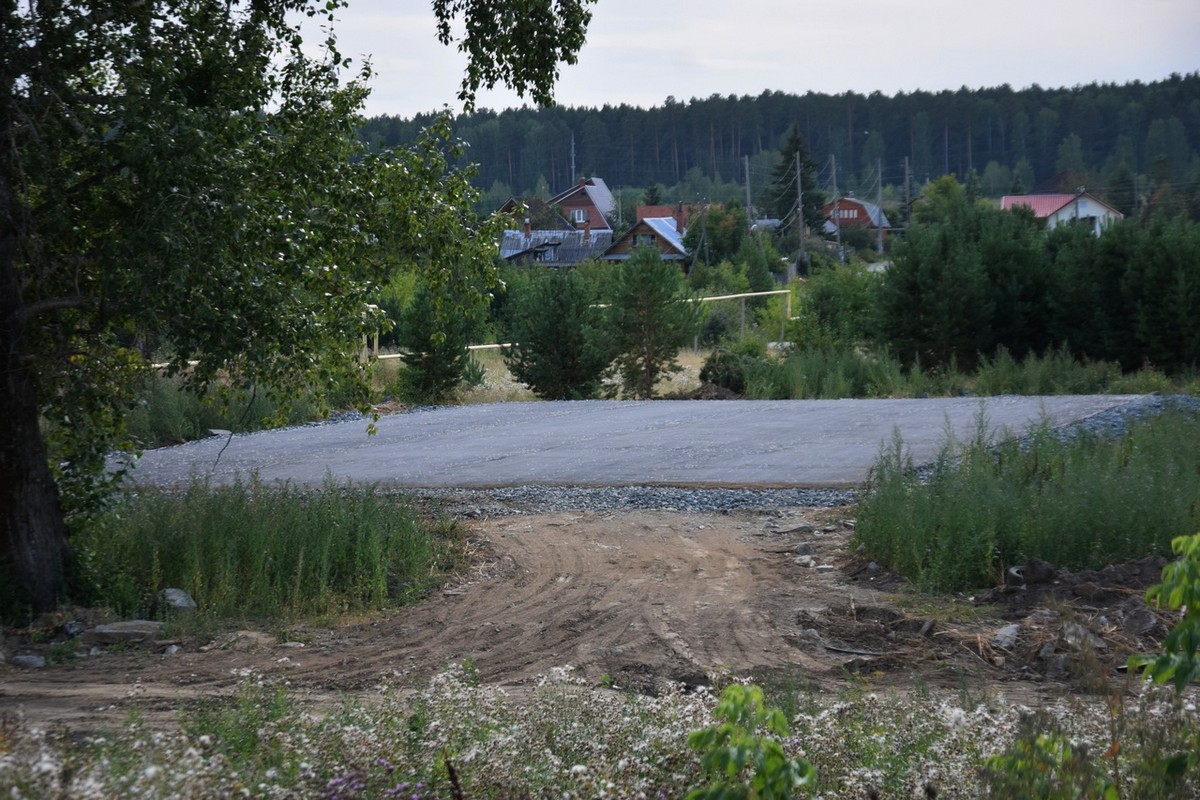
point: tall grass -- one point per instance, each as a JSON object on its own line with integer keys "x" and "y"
{"x": 167, "y": 414}
{"x": 252, "y": 551}
{"x": 1079, "y": 502}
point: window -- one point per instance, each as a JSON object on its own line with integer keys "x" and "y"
{"x": 644, "y": 240}
{"x": 579, "y": 215}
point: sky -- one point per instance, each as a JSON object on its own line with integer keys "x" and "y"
{"x": 639, "y": 52}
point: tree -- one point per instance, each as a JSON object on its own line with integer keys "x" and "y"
{"x": 435, "y": 351}
{"x": 649, "y": 320}
{"x": 559, "y": 345}
{"x": 207, "y": 202}
{"x": 781, "y": 197}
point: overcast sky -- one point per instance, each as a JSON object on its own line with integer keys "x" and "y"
{"x": 640, "y": 52}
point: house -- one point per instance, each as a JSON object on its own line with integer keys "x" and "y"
{"x": 683, "y": 212}
{"x": 662, "y": 233}
{"x": 553, "y": 248}
{"x": 850, "y": 212}
{"x": 568, "y": 229}
{"x": 1079, "y": 208}
{"x": 589, "y": 202}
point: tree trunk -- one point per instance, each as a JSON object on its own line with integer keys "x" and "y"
{"x": 33, "y": 535}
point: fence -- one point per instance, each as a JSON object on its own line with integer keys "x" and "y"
{"x": 369, "y": 352}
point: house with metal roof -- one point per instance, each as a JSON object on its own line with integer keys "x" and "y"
{"x": 553, "y": 248}
{"x": 1079, "y": 208}
{"x": 850, "y": 212}
{"x": 588, "y": 202}
{"x": 660, "y": 233}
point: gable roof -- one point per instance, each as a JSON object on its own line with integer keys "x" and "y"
{"x": 554, "y": 248}
{"x": 665, "y": 228}
{"x": 874, "y": 213}
{"x": 596, "y": 190}
{"x": 1047, "y": 205}
{"x": 543, "y": 215}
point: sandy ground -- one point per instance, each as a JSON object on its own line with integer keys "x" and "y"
{"x": 630, "y": 599}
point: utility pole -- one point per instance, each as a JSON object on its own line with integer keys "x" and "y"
{"x": 572, "y": 158}
{"x": 879, "y": 204}
{"x": 907, "y": 195}
{"x": 837, "y": 210}
{"x": 802, "y": 259}
{"x": 749, "y": 215}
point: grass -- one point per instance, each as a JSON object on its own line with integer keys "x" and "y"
{"x": 1079, "y": 502}
{"x": 256, "y": 551}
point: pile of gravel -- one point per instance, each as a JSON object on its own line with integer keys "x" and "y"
{"x": 474, "y": 503}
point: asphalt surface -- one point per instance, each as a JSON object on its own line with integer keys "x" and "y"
{"x": 738, "y": 443}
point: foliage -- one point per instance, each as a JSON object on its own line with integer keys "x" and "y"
{"x": 214, "y": 203}
{"x": 726, "y": 366}
{"x": 436, "y": 358}
{"x": 1047, "y": 765}
{"x": 716, "y": 235}
{"x": 649, "y": 320}
{"x": 1179, "y": 590}
{"x": 522, "y": 54}
{"x": 559, "y": 347}
{"x": 1077, "y": 500}
{"x": 745, "y": 763}
{"x": 837, "y": 305}
{"x": 964, "y": 284}
{"x": 1017, "y": 130}
{"x": 254, "y": 551}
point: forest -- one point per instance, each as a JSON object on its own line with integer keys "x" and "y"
{"x": 1131, "y": 143}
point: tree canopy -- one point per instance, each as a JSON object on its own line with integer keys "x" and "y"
{"x": 180, "y": 180}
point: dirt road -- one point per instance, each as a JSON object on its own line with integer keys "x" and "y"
{"x": 632, "y": 599}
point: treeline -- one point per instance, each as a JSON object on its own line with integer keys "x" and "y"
{"x": 981, "y": 283}
{"x": 1143, "y": 136}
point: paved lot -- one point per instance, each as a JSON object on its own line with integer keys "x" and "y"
{"x": 786, "y": 443}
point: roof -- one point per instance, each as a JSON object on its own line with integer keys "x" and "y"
{"x": 567, "y": 247}
{"x": 596, "y": 190}
{"x": 663, "y": 227}
{"x": 1046, "y": 205}
{"x": 874, "y": 213}
{"x": 667, "y": 229}
{"x": 1042, "y": 205}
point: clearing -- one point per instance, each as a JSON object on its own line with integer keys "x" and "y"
{"x": 634, "y": 599}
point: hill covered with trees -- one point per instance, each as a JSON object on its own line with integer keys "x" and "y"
{"x": 1136, "y": 142}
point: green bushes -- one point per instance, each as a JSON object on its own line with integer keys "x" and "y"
{"x": 251, "y": 550}
{"x": 1079, "y": 503}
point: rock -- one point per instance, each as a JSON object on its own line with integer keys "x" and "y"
{"x": 1038, "y": 571}
{"x": 28, "y": 662}
{"x": 219, "y": 432}
{"x": 1015, "y": 576}
{"x": 176, "y": 600}
{"x": 72, "y": 628}
{"x": 1079, "y": 637}
{"x": 1046, "y": 651}
{"x": 803, "y": 561}
{"x": 1056, "y": 667}
{"x": 1087, "y": 590}
{"x": 804, "y": 549}
{"x": 1138, "y": 620}
{"x": 803, "y": 527}
{"x": 872, "y": 567}
{"x": 138, "y": 630}
{"x": 171, "y": 650}
{"x": 1006, "y": 637}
